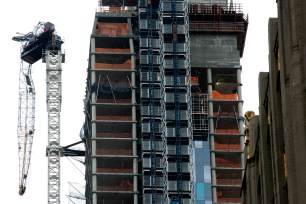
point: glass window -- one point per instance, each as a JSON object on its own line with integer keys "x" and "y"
{"x": 200, "y": 191}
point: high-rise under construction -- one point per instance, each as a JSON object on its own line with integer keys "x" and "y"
{"x": 163, "y": 105}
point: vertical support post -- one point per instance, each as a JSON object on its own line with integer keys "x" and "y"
{"x": 53, "y": 60}
{"x": 211, "y": 136}
{"x": 93, "y": 126}
{"x": 134, "y": 128}
{"x": 240, "y": 114}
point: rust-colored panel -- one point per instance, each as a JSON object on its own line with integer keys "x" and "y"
{"x": 220, "y": 162}
{"x": 218, "y": 96}
{"x": 125, "y": 65}
{"x": 112, "y": 29}
{"x": 125, "y": 185}
{"x": 228, "y": 200}
{"x": 227, "y": 131}
{"x": 112, "y": 170}
{"x": 219, "y": 146}
{"x": 228, "y": 181}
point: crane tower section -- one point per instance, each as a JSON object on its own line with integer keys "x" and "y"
{"x": 53, "y": 60}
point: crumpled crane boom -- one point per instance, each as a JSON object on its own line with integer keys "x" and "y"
{"x": 26, "y": 122}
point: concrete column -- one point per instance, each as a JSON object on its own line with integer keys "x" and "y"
{"x": 134, "y": 132}
{"x": 240, "y": 114}
{"x": 93, "y": 124}
{"x": 211, "y": 136}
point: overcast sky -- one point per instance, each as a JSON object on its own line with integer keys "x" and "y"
{"x": 74, "y": 21}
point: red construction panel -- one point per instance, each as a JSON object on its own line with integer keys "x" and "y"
{"x": 112, "y": 29}
{"x": 218, "y": 96}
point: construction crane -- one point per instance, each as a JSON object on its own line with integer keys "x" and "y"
{"x": 42, "y": 43}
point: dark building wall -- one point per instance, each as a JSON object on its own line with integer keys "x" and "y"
{"x": 282, "y": 110}
{"x": 265, "y": 139}
{"x": 276, "y": 117}
{"x": 291, "y": 29}
{"x": 213, "y": 50}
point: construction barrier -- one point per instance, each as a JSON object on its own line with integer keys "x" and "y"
{"x": 112, "y": 170}
{"x": 125, "y": 65}
{"x": 219, "y": 146}
{"x": 112, "y": 29}
{"x": 194, "y": 80}
{"x": 227, "y": 131}
{"x": 220, "y": 162}
{"x": 125, "y": 185}
{"x": 218, "y": 96}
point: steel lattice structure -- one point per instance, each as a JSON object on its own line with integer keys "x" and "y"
{"x": 26, "y": 122}
{"x": 53, "y": 59}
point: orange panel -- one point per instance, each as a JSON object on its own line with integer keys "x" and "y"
{"x": 125, "y": 186}
{"x": 125, "y": 65}
{"x": 194, "y": 80}
{"x": 111, "y": 170}
{"x": 216, "y": 95}
{"x": 219, "y": 146}
{"x": 220, "y": 162}
{"x": 227, "y": 131}
{"x": 112, "y": 29}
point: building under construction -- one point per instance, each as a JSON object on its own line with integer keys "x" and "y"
{"x": 163, "y": 105}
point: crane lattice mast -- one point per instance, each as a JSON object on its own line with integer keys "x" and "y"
{"x": 53, "y": 59}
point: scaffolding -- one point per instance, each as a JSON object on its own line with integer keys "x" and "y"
{"x": 150, "y": 97}
{"x": 200, "y": 116}
{"x": 177, "y": 101}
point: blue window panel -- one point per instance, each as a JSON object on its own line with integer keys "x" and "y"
{"x": 208, "y": 195}
{"x": 199, "y": 173}
{"x": 206, "y": 158}
{"x": 199, "y": 157}
{"x": 200, "y": 191}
